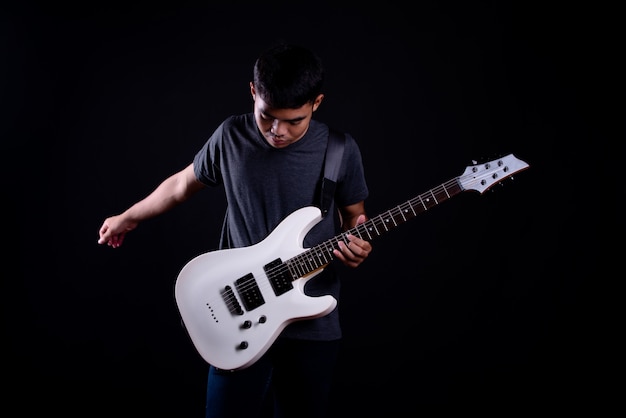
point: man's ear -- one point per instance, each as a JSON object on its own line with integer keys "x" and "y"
{"x": 252, "y": 91}
{"x": 318, "y": 101}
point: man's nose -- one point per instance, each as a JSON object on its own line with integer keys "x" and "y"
{"x": 277, "y": 127}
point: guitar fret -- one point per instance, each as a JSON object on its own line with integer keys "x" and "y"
{"x": 436, "y": 202}
{"x": 302, "y": 266}
{"x": 393, "y": 219}
{"x": 428, "y": 202}
{"x": 301, "y": 271}
{"x": 374, "y": 225}
{"x": 309, "y": 264}
{"x": 446, "y": 190}
{"x": 321, "y": 258}
{"x": 385, "y": 222}
{"x": 423, "y": 204}
{"x": 318, "y": 259}
{"x": 293, "y": 269}
{"x": 356, "y": 231}
{"x": 293, "y": 273}
{"x": 402, "y": 213}
{"x": 329, "y": 248}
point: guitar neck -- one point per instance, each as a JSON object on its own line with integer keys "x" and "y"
{"x": 322, "y": 254}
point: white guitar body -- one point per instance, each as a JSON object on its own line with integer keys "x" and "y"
{"x": 218, "y": 334}
{"x": 234, "y": 303}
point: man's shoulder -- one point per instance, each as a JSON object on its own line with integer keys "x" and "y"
{"x": 245, "y": 120}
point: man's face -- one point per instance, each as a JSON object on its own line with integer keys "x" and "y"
{"x": 282, "y": 127}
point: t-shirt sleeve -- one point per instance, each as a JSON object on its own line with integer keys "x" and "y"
{"x": 206, "y": 162}
{"x": 352, "y": 186}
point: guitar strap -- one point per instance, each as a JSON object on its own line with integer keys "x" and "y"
{"x": 332, "y": 163}
{"x": 334, "y": 153}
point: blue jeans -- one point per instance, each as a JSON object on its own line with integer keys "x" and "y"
{"x": 292, "y": 379}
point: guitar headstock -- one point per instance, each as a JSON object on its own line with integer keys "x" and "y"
{"x": 481, "y": 177}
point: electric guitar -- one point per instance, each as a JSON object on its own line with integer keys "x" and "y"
{"x": 235, "y": 302}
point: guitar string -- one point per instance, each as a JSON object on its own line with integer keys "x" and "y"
{"x": 316, "y": 257}
{"x": 306, "y": 261}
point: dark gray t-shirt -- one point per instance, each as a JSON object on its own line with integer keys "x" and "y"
{"x": 264, "y": 185}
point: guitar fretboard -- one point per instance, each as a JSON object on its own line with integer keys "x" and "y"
{"x": 322, "y": 254}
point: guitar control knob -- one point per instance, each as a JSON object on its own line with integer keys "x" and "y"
{"x": 243, "y": 345}
{"x": 262, "y": 319}
{"x": 246, "y": 324}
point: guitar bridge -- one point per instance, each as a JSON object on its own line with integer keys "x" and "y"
{"x": 231, "y": 301}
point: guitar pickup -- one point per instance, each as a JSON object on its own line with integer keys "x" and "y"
{"x": 280, "y": 278}
{"x": 249, "y": 292}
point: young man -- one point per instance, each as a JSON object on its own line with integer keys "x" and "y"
{"x": 270, "y": 163}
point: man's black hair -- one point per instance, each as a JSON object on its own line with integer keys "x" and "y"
{"x": 288, "y": 76}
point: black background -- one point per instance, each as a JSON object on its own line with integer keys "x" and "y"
{"x": 493, "y": 302}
